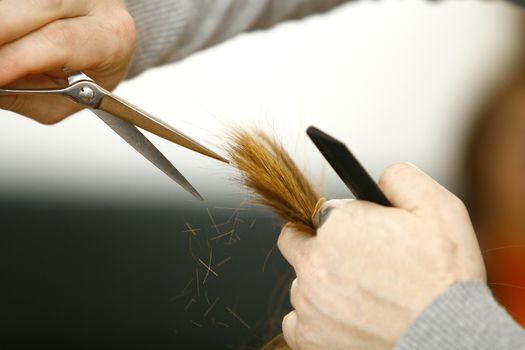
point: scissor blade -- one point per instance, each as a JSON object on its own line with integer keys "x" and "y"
{"x": 137, "y": 140}
{"x": 355, "y": 177}
{"x": 125, "y": 110}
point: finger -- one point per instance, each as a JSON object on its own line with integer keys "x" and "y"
{"x": 19, "y": 18}
{"x": 50, "y": 80}
{"x": 409, "y": 188}
{"x": 72, "y": 43}
{"x": 291, "y": 241}
{"x": 289, "y": 329}
{"x": 45, "y": 109}
{"x": 293, "y": 293}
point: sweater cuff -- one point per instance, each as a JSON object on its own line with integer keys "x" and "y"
{"x": 466, "y": 316}
{"x": 159, "y": 24}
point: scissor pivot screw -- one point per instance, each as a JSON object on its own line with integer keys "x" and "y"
{"x": 86, "y": 94}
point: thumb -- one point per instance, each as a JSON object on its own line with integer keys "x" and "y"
{"x": 410, "y": 189}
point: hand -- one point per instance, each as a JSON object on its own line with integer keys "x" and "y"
{"x": 40, "y": 37}
{"x": 370, "y": 270}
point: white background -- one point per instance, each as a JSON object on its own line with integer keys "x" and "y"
{"x": 396, "y": 80}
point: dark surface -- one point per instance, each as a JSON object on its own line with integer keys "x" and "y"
{"x": 346, "y": 165}
{"x": 86, "y": 276}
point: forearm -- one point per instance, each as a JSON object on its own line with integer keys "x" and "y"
{"x": 169, "y": 30}
{"x": 466, "y": 316}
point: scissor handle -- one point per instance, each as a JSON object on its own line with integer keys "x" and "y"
{"x": 84, "y": 92}
{"x": 87, "y": 93}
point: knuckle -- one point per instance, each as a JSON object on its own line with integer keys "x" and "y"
{"x": 457, "y": 205}
{"x": 123, "y": 27}
{"x": 393, "y": 171}
{"x": 59, "y": 34}
{"x": 448, "y": 203}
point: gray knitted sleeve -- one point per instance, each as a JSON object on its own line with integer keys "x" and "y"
{"x": 169, "y": 30}
{"x": 466, "y": 317}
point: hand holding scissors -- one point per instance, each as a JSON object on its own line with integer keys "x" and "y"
{"x": 123, "y": 118}
{"x": 39, "y": 37}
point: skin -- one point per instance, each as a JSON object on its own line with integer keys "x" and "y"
{"x": 38, "y": 38}
{"x": 371, "y": 270}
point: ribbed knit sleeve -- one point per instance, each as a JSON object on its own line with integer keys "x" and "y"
{"x": 169, "y": 30}
{"x": 465, "y": 317}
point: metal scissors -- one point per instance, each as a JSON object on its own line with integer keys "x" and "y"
{"x": 124, "y": 118}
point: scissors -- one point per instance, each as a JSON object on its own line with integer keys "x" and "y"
{"x": 124, "y": 118}
{"x": 353, "y": 174}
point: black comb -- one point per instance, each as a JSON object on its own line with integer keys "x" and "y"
{"x": 355, "y": 177}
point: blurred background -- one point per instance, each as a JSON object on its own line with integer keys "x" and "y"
{"x": 100, "y": 248}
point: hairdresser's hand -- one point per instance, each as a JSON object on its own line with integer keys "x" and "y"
{"x": 40, "y": 37}
{"x": 370, "y": 270}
